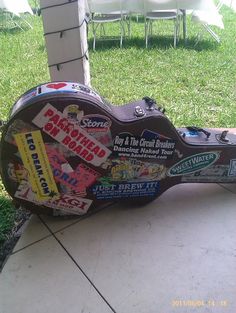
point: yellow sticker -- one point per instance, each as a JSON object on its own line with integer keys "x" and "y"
{"x": 33, "y": 153}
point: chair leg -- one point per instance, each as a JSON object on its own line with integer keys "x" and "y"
{"x": 121, "y": 33}
{"x": 129, "y": 26}
{"x": 149, "y": 27}
{"x": 174, "y": 34}
{"x": 94, "y": 36}
{"x": 199, "y": 36}
{"x": 151, "y": 24}
{"x": 146, "y": 38}
{"x": 175, "y": 31}
{"x": 102, "y": 28}
{"x": 178, "y": 29}
{"x": 27, "y": 22}
{"x": 213, "y": 34}
{"x": 210, "y": 31}
{"x": 15, "y": 22}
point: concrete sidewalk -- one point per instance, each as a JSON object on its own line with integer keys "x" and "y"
{"x": 176, "y": 254}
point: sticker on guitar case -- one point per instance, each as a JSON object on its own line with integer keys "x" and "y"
{"x": 149, "y": 146}
{"x": 77, "y": 180}
{"x": 73, "y": 113}
{"x": 69, "y": 203}
{"x": 98, "y": 126}
{"x": 125, "y": 169}
{"x": 118, "y": 190}
{"x": 71, "y": 136}
{"x": 17, "y": 126}
{"x": 17, "y": 172}
{"x": 232, "y": 169}
{"x": 32, "y": 151}
{"x": 194, "y": 163}
{"x": 214, "y": 173}
{"x": 67, "y": 87}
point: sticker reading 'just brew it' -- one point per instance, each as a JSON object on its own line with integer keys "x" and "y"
{"x": 118, "y": 190}
{"x": 35, "y": 160}
{"x": 194, "y": 163}
{"x": 71, "y": 136}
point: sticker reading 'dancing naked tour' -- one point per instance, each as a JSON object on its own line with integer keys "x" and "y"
{"x": 194, "y": 163}
{"x": 149, "y": 146}
{"x": 32, "y": 151}
{"x": 123, "y": 190}
{"x": 69, "y": 203}
{"x": 73, "y": 137}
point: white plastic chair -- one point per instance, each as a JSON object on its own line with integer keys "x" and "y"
{"x": 161, "y": 10}
{"x": 12, "y": 10}
{"x": 107, "y": 11}
{"x": 206, "y": 18}
{"x": 230, "y": 3}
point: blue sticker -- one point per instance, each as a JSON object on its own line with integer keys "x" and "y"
{"x": 191, "y": 133}
{"x": 126, "y": 190}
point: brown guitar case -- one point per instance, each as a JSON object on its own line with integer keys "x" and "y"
{"x": 65, "y": 149}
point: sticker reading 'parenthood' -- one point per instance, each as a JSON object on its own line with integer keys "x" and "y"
{"x": 122, "y": 190}
{"x": 71, "y": 136}
{"x": 32, "y": 151}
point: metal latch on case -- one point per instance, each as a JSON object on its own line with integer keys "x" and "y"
{"x": 138, "y": 111}
{"x": 222, "y": 138}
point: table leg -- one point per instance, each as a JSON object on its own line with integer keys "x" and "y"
{"x": 184, "y": 27}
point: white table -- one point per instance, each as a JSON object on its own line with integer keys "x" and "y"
{"x": 138, "y": 6}
{"x": 15, "y": 6}
{"x": 230, "y": 3}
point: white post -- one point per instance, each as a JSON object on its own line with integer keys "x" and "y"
{"x": 65, "y": 32}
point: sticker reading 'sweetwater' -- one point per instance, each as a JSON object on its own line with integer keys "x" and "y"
{"x": 71, "y": 136}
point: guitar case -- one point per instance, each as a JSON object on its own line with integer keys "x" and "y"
{"x": 67, "y": 150}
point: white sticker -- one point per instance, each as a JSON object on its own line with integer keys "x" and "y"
{"x": 232, "y": 169}
{"x": 71, "y": 136}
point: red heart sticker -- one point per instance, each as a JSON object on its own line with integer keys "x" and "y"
{"x": 56, "y": 85}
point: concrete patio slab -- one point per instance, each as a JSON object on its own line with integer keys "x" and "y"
{"x": 42, "y": 278}
{"x": 34, "y": 231}
{"x": 230, "y": 187}
{"x": 56, "y": 223}
{"x": 175, "y": 254}
{"x": 179, "y": 247}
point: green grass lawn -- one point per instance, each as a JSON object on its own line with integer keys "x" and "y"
{"x": 196, "y": 85}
